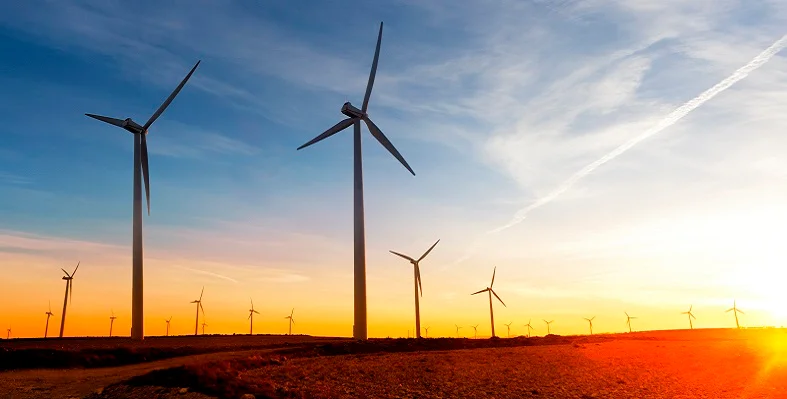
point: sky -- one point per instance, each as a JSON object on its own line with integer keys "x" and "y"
{"x": 495, "y": 104}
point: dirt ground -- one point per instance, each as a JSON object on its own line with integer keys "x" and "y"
{"x": 674, "y": 364}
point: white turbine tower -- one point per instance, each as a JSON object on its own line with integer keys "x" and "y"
{"x": 140, "y": 165}
{"x": 491, "y": 292}
{"x": 417, "y": 278}
{"x": 355, "y": 116}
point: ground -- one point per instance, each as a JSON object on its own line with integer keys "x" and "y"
{"x": 671, "y": 364}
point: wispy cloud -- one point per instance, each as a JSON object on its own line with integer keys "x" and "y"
{"x": 184, "y": 141}
{"x": 207, "y": 273}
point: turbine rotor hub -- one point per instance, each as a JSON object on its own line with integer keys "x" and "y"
{"x": 351, "y": 111}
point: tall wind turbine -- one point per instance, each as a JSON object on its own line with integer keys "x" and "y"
{"x": 48, "y": 315}
{"x": 529, "y": 327}
{"x": 111, "y": 322}
{"x": 69, "y": 293}
{"x": 140, "y": 164}
{"x": 417, "y": 279}
{"x": 548, "y": 324}
{"x": 475, "y": 331}
{"x": 170, "y": 319}
{"x": 734, "y": 309}
{"x": 491, "y": 292}
{"x": 508, "y": 328}
{"x": 199, "y": 306}
{"x": 291, "y": 321}
{"x": 251, "y": 317}
{"x": 590, "y": 321}
{"x": 355, "y": 116}
{"x": 691, "y": 316}
{"x": 628, "y": 320}
{"x": 457, "y": 330}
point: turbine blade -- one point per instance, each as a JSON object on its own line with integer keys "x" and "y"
{"x": 200, "y": 294}
{"x": 75, "y": 270}
{"x": 493, "y": 277}
{"x": 484, "y": 290}
{"x": 418, "y": 274}
{"x": 428, "y": 250}
{"x": 692, "y": 316}
{"x": 64, "y": 271}
{"x": 145, "y": 168}
{"x": 249, "y": 316}
{"x": 169, "y": 99}
{"x": 106, "y": 119}
{"x": 330, "y": 132}
{"x": 403, "y": 256}
{"x": 498, "y": 298}
{"x": 740, "y": 311}
{"x": 378, "y": 134}
{"x": 256, "y": 312}
{"x": 374, "y": 70}
{"x": 728, "y": 310}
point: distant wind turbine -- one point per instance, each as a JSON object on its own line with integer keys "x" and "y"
{"x": 355, "y": 116}
{"x": 734, "y": 309}
{"x": 690, "y": 316}
{"x": 529, "y": 327}
{"x": 48, "y": 315}
{"x": 251, "y": 317}
{"x": 628, "y": 320}
{"x": 111, "y": 322}
{"x": 475, "y": 331}
{"x": 291, "y": 321}
{"x": 491, "y": 292}
{"x": 590, "y": 321}
{"x": 508, "y": 328}
{"x": 140, "y": 164}
{"x": 170, "y": 319}
{"x": 457, "y": 330}
{"x": 69, "y": 293}
{"x": 417, "y": 279}
{"x": 203, "y": 325}
{"x": 8, "y": 332}
{"x": 427, "y": 331}
{"x": 548, "y": 324}
{"x": 199, "y": 306}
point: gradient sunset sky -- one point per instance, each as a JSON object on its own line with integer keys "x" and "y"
{"x": 493, "y": 103}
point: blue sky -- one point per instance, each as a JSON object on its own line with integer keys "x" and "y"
{"x": 493, "y": 104}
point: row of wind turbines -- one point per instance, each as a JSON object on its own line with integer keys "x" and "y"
{"x": 354, "y": 117}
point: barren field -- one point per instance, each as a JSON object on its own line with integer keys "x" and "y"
{"x": 670, "y": 364}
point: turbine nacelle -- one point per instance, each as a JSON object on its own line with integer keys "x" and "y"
{"x": 350, "y": 110}
{"x": 133, "y": 127}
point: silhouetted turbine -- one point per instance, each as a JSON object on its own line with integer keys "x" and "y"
{"x": 590, "y": 321}
{"x": 475, "y": 330}
{"x": 508, "y": 329}
{"x": 355, "y": 116}
{"x": 291, "y": 321}
{"x": 199, "y": 306}
{"x": 427, "y": 331}
{"x": 548, "y": 324}
{"x": 48, "y": 315}
{"x": 628, "y": 320}
{"x": 170, "y": 319}
{"x": 417, "y": 279}
{"x": 140, "y": 164}
{"x": 251, "y": 317}
{"x": 491, "y": 292}
{"x": 69, "y": 293}
{"x": 734, "y": 309}
{"x": 529, "y": 327}
{"x": 690, "y": 316}
{"x": 111, "y": 322}
{"x": 457, "y": 330}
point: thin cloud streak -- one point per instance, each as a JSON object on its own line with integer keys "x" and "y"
{"x": 207, "y": 273}
{"x": 666, "y": 122}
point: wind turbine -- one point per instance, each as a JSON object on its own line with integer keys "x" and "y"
{"x": 457, "y": 330}
{"x": 548, "y": 324}
{"x": 140, "y": 165}
{"x": 734, "y": 309}
{"x": 508, "y": 327}
{"x": 69, "y": 293}
{"x": 628, "y": 320}
{"x": 491, "y": 292}
{"x": 203, "y": 326}
{"x": 529, "y": 327}
{"x": 475, "y": 331}
{"x": 427, "y": 331}
{"x": 355, "y": 116}
{"x": 199, "y": 306}
{"x": 48, "y": 315}
{"x": 291, "y": 320}
{"x": 590, "y": 321}
{"x": 691, "y": 316}
{"x": 251, "y": 317}
{"x": 111, "y": 322}
{"x": 417, "y": 278}
{"x": 170, "y": 319}
{"x": 8, "y": 332}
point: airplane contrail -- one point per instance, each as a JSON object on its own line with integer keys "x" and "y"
{"x": 666, "y": 122}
